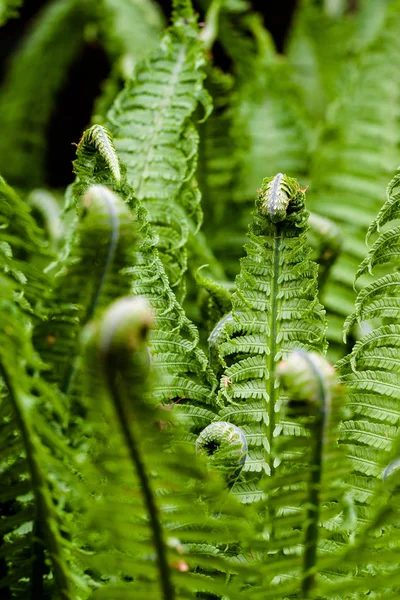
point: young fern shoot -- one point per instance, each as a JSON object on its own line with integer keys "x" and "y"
{"x": 314, "y": 399}
{"x": 275, "y": 309}
{"x": 77, "y": 294}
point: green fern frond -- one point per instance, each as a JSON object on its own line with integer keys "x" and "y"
{"x": 373, "y": 555}
{"x": 131, "y": 29}
{"x": 26, "y": 106}
{"x": 353, "y": 160}
{"x": 183, "y": 368}
{"x": 35, "y": 473}
{"x": 370, "y": 371}
{"x": 22, "y": 251}
{"x": 9, "y": 9}
{"x": 161, "y": 499}
{"x": 306, "y": 496}
{"x": 260, "y": 125}
{"x": 157, "y": 141}
{"x": 275, "y": 310}
{"x": 78, "y": 293}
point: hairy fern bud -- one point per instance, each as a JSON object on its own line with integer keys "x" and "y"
{"x": 307, "y": 376}
{"x": 226, "y": 448}
{"x": 275, "y": 195}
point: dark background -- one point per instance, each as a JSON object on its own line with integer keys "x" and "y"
{"x": 70, "y": 117}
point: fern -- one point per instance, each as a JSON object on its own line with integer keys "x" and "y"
{"x": 76, "y": 295}
{"x": 153, "y": 462}
{"x": 184, "y": 373}
{"x": 152, "y": 120}
{"x": 37, "y": 466}
{"x": 370, "y": 371}
{"x": 22, "y": 251}
{"x": 275, "y": 310}
{"x": 354, "y": 159}
{"x": 307, "y": 487}
{"x": 118, "y": 18}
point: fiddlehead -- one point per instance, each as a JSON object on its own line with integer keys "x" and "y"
{"x": 77, "y": 294}
{"x": 96, "y": 147}
{"x": 225, "y": 445}
{"x": 274, "y": 197}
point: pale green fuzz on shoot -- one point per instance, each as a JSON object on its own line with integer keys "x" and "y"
{"x": 298, "y": 374}
{"x": 126, "y": 325}
{"x": 275, "y": 195}
{"x": 225, "y": 445}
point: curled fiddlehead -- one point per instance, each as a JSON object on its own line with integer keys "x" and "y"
{"x": 97, "y": 140}
{"x": 226, "y": 448}
{"x": 275, "y": 195}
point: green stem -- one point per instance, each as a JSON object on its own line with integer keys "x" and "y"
{"x": 314, "y": 499}
{"x": 136, "y": 458}
{"x": 210, "y": 31}
{"x": 271, "y": 358}
{"x": 44, "y": 503}
{"x": 93, "y": 304}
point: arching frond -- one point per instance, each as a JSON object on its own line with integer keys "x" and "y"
{"x": 370, "y": 371}
{"x": 306, "y": 496}
{"x": 183, "y": 368}
{"x": 275, "y": 310}
{"x": 354, "y": 158}
{"x": 152, "y": 124}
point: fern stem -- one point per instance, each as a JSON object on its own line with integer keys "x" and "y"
{"x": 93, "y": 304}
{"x": 210, "y": 31}
{"x": 112, "y": 360}
{"x": 135, "y": 456}
{"x": 271, "y": 358}
{"x": 314, "y": 500}
{"x": 44, "y": 502}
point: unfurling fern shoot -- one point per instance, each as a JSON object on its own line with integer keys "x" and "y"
{"x": 275, "y": 310}
{"x": 315, "y": 460}
{"x": 226, "y": 446}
